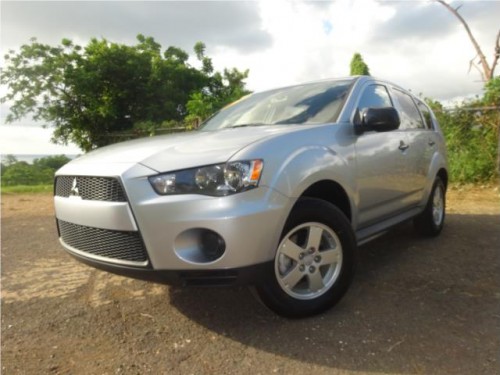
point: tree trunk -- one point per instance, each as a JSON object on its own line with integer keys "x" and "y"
{"x": 487, "y": 71}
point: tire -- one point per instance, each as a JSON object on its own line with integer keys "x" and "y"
{"x": 431, "y": 221}
{"x": 314, "y": 262}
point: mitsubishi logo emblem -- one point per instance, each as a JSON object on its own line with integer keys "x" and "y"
{"x": 74, "y": 189}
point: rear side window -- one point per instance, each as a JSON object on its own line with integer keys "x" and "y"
{"x": 410, "y": 116}
{"x": 375, "y": 96}
{"x": 426, "y": 113}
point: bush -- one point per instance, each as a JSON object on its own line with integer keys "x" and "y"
{"x": 41, "y": 172}
{"x": 471, "y": 133}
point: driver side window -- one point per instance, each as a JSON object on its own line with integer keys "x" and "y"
{"x": 374, "y": 96}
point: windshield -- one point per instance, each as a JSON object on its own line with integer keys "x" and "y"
{"x": 312, "y": 103}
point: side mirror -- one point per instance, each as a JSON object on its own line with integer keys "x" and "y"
{"x": 376, "y": 119}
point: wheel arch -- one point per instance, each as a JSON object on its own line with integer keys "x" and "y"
{"x": 443, "y": 175}
{"x": 438, "y": 168}
{"x": 332, "y": 192}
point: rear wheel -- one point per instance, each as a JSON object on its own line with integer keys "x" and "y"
{"x": 314, "y": 262}
{"x": 431, "y": 221}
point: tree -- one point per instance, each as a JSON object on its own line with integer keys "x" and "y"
{"x": 492, "y": 92}
{"x": 492, "y": 98}
{"x": 10, "y": 159}
{"x": 20, "y": 173}
{"x": 94, "y": 94}
{"x": 221, "y": 89}
{"x": 51, "y": 162}
{"x": 486, "y": 70}
{"x": 41, "y": 172}
{"x": 358, "y": 66}
{"x": 7, "y": 161}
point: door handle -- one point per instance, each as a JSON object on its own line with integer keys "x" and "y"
{"x": 403, "y": 146}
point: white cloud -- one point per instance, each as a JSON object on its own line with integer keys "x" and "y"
{"x": 417, "y": 44}
{"x": 18, "y": 139}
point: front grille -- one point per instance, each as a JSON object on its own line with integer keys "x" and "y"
{"x": 112, "y": 244}
{"x": 90, "y": 188}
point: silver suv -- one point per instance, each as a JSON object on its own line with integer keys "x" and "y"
{"x": 275, "y": 191}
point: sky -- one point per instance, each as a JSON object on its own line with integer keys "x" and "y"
{"x": 417, "y": 44}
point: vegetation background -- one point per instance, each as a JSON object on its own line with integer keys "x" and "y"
{"x": 472, "y": 136}
{"x": 107, "y": 92}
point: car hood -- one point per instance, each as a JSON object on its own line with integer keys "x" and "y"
{"x": 179, "y": 151}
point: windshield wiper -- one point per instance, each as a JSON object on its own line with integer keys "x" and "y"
{"x": 249, "y": 124}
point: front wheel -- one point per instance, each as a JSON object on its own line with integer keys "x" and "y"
{"x": 431, "y": 221}
{"x": 314, "y": 262}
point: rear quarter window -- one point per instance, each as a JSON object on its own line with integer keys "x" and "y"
{"x": 426, "y": 114}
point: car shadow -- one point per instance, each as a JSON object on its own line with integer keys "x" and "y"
{"x": 416, "y": 305}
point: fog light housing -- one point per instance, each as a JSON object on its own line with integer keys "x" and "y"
{"x": 212, "y": 245}
{"x": 199, "y": 246}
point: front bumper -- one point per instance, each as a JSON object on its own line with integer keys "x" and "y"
{"x": 249, "y": 275}
{"x": 249, "y": 223}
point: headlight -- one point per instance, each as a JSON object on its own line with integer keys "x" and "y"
{"x": 216, "y": 180}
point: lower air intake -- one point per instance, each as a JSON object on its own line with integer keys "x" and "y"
{"x": 110, "y": 244}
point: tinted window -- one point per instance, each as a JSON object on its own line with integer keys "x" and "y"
{"x": 313, "y": 103}
{"x": 375, "y": 96}
{"x": 410, "y": 117}
{"x": 426, "y": 113}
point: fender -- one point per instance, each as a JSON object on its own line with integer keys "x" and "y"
{"x": 438, "y": 162}
{"x": 311, "y": 156}
{"x": 309, "y": 165}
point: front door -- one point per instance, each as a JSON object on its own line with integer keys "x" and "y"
{"x": 381, "y": 172}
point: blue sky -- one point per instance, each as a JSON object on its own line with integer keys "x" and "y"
{"x": 417, "y": 44}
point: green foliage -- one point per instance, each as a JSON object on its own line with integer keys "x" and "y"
{"x": 200, "y": 106}
{"x": 10, "y": 159}
{"x": 492, "y": 94}
{"x": 41, "y": 172}
{"x": 94, "y": 94}
{"x": 30, "y": 189}
{"x": 471, "y": 133}
{"x": 358, "y": 66}
{"x": 23, "y": 173}
{"x": 221, "y": 89}
{"x": 199, "y": 50}
{"x": 51, "y": 162}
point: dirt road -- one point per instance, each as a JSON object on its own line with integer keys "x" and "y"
{"x": 417, "y": 306}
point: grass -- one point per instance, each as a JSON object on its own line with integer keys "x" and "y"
{"x": 27, "y": 189}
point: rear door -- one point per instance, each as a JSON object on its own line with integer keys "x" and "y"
{"x": 421, "y": 146}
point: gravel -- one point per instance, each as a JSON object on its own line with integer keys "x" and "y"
{"x": 416, "y": 306}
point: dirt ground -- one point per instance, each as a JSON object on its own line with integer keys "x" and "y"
{"x": 416, "y": 306}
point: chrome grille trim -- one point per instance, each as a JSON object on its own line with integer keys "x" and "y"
{"x": 111, "y": 246}
{"x": 90, "y": 188}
